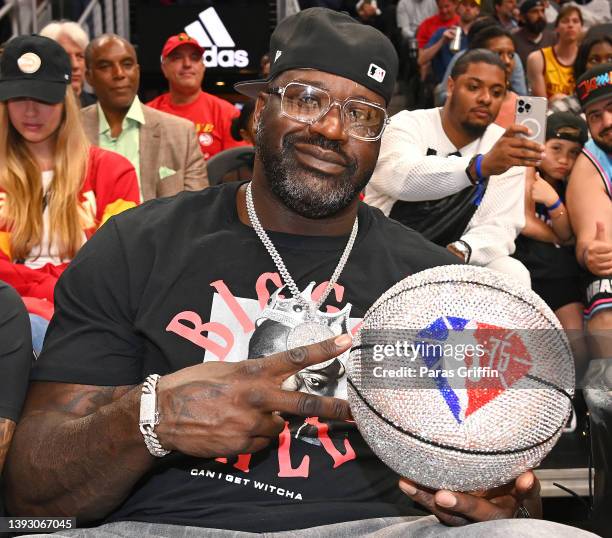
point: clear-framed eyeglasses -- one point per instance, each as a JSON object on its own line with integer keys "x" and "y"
{"x": 308, "y": 104}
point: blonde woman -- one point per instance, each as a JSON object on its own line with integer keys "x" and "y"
{"x": 55, "y": 190}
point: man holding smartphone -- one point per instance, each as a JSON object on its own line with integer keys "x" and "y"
{"x": 456, "y": 177}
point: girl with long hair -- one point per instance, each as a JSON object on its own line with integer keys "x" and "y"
{"x": 55, "y": 189}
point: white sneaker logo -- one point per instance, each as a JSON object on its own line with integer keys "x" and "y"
{"x": 377, "y": 73}
{"x": 210, "y": 32}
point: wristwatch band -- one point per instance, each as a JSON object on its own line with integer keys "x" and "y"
{"x": 149, "y": 417}
{"x": 462, "y": 246}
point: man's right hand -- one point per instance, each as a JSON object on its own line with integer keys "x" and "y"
{"x": 512, "y": 150}
{"x": 449, "y": 34}
{"x": 598, "y": 254}
{"x": 226, "y": 408}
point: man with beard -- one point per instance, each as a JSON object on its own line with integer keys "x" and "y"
{"x": 589, "y": 196}
{"x": 588, "y": 199}
{"x": 437, "y": 51}
{"x": 551, "y": 70}
{"x": 533, "y": 34}
{"x": 456, "y": 177}
{"x": 181, "y": 281}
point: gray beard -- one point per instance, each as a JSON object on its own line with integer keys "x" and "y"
{"x": 286, "y": 181}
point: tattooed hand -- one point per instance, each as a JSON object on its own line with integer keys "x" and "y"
{"x": 222, "y": 408}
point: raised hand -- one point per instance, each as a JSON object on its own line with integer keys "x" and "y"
{"x": 512, "y": 150}
{"x": 598, "y": 253}
{"x": 543, "y": 192}
{"x": 227, "y": 408}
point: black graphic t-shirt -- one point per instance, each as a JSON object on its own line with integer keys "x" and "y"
{"x": 16, "y": 355}
{"x": 179, "y": 281}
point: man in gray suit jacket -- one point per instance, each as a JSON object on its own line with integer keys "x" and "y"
{"x": 163, "y": 148}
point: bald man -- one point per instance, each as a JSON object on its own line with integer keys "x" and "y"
{"x": 163, "y": 148}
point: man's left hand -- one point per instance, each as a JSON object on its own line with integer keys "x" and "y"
{"x": 503, "y": 502}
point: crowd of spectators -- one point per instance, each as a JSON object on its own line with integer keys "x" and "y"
{"x": 452, "y": 164}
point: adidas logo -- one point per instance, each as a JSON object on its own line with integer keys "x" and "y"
{"x": 210, "y": 32}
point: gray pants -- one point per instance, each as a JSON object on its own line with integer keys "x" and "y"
{"x": 412, "y": 527}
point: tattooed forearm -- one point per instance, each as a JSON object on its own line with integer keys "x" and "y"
{"x": 88, "y": 399}
{"x": 76, "y": 451}
{"x": 7, "y": 428}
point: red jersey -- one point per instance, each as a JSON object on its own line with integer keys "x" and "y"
{"x": 429, "y": 26}
{"x": 212, "y": 117}
{"x": 110, "y": 187}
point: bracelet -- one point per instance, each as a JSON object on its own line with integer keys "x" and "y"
{"x": 469, "y": 249}
{"x": 555, "y": 205}
{"x": 473, "y": 181}
{"x": 149, "y": 417}
{"x": 479, "y": 159}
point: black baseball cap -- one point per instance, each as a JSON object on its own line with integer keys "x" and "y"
{"x": 566, "y": 126}
{"x": 528, "y": 5}
{"x": 594, "y": 85}
{"x": 36, "y": 67}
{"x": 331, "y": 41}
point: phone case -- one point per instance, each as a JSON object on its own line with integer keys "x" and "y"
{"x": 531, "y": 112}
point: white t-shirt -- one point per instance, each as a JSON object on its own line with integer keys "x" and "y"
{"x": 406, "y": 170}
{"x": 46, "y": 252}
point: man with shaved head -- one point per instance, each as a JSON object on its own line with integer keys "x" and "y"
{"x": 163, "y": 148}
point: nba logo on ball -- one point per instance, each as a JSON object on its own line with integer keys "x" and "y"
{"x": 470, "y": 381}
{"x": 461, "y": 379}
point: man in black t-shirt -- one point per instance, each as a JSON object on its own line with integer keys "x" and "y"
{"x": 179, "y": 287}
{"x": 16, "y": 357}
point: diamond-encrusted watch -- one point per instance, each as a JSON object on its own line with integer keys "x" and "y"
{"x": 149, "y": 416}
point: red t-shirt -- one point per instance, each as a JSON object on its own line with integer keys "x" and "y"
{"x": 429, "y": 26}
{"x": 212, "y": 117}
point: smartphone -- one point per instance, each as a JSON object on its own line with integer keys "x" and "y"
{"x": 531, "y": 112}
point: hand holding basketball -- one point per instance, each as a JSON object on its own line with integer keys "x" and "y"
{"x": 503, "y": 502}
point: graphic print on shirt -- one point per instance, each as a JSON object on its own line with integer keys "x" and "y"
{"x": 205, "y": 136}
{"x": 241, "y": 329}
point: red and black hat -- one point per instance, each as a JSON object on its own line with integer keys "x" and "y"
{"x": 594, "y": 85}
{"x": 175, "y": 41}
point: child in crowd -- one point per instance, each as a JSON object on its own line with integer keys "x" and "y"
{"x": 55, "y": 190}
{"x": 542, "y": 243}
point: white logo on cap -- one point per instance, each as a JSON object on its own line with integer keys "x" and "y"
{"x": 277, "y": 55}
{"x": 377, "y": 73}
{"x": 29, "y": 63}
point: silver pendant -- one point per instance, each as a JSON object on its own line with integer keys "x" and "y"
{"x": 309, "y": 332}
